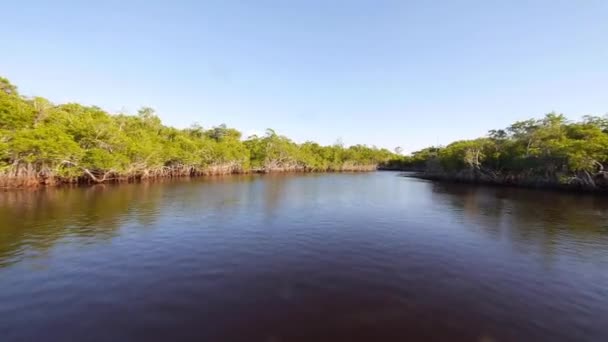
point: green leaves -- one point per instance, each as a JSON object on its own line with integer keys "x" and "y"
{"x": 76, "y": 140}
{"x": 15, "y": 112}
{"x": 549, "y": 146}
{"x": 48, "y": 145}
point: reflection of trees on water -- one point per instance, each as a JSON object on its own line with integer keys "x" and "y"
{"x": 33, "y": 221}
{"x": 529, "y": 215}
{"x": 212, "y": 194}
{"x": 222, "y": 195}
{"x": 273, "y": 193}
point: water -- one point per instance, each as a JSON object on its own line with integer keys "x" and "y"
{"x": 352, "y": 257}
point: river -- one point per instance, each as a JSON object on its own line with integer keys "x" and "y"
{"x": 314, "y": 257}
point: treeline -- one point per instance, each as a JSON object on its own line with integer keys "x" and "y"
{"x": 45, "y": 143}
{"x": 551, "y": 151}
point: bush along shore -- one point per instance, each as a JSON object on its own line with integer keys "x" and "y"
{"x": 551, "y": 152}
{"x": 42, "y": 143}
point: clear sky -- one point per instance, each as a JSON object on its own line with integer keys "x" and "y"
{"x": 385, "y": 73}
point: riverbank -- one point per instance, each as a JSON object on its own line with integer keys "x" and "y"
{"x": 582, "y": 182}
{"x": 46, "y": 144}
{"x": 30, "y": 178}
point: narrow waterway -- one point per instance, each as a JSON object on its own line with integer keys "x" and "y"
{"x": 316, "y": 257}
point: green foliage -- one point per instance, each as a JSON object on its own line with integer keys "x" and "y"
{"x": 15, "y": 111}
{"x": 465, "y": 154}
{"x": 85, "y": 141}
{"x": 551, "y": 146}
{"x": 45, "y": 145}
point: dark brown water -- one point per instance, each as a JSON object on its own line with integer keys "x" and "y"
{"x": 336, "y": 257}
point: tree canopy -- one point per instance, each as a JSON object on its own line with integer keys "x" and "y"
{"x": 42, "y": 142}
{"x": 552, "y": 148}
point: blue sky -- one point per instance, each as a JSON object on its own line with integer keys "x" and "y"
{"x": 385, "y": 73}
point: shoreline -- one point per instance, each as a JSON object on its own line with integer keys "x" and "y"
{"x": 529, "y": 184}
{"x": 83, "y": 181}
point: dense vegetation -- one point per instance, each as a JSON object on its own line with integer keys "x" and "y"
{"x": 551, "y": 151}
{"x": 45, "y": 143}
